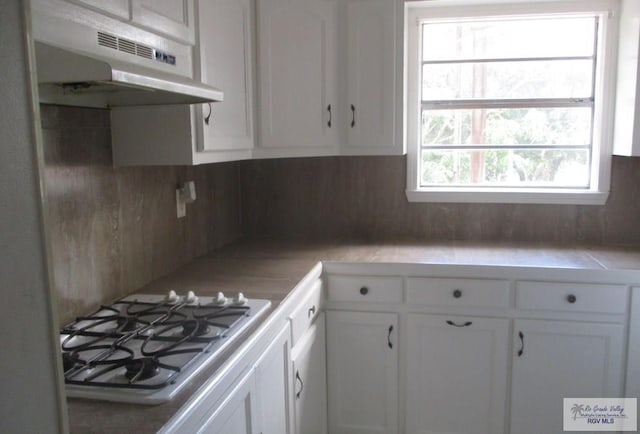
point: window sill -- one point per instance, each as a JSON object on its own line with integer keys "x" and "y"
{"x": 532, "y": 196}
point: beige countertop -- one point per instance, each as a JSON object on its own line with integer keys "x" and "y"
{"x": 268, "y": 269}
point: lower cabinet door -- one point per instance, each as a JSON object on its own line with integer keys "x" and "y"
{"x": 310, "y": 381}
{"x": 237, "y": 412}
{"x": 272, "y": 382}
{"x": 553, "y": 360}
{"x": 456, "y": 377}
{"x": 362, "y": 366}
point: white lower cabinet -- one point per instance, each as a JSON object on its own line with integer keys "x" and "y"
{"x": 561, "y": 359}
{"x": 362, "y": 371}
{"x": 272, "y": 381}
{"x": 309, "y": 371}
{"x": 456, "y": 376}
{"x": 237, "y": 412}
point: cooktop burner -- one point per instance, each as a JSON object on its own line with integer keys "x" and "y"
{"x": 144, "y": 348}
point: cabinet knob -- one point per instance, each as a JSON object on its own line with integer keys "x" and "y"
{"x": 457, "y": 293}
{"x": 364, "y": 290}
{"x": 571, "y": 298}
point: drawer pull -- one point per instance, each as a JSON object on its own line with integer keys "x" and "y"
{"x": 457, "y": 293}
{"x": 571, "y": 298}
{"x": 312, "y": 311}
{"x": 465, "y": 324}
{"x": 521, "y": 351}
{"x": 330, "y": 116}
{"x": 364, "y": 290}
{"x": 389, "y": 337}
{"x": 301, "y": 384}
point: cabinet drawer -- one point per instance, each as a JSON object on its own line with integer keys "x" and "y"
{"x": 458, "y": 292}
{"x": 365, "y": 289}
{"x": 304, "y": 315}
{"x": 571, "y": 297}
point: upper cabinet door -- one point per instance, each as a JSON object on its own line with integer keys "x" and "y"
{"x": 118, "y": 8}
{"x": 371, "y": 77}
{"x": 226, "y": 62}
{"x": 297, "y": 54}
{"x": 173, "y": 18}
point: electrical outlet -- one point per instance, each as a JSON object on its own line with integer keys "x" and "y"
{"x": 181, "y": 206}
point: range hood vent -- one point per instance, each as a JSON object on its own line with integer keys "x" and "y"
{"x": 74, "y": 77}
{"x": 125, "y": 45}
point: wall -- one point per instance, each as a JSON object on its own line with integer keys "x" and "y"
{"x": 364, "y": 198}
{"x": 31, "y": 394}
{"x": 114, "y": 230}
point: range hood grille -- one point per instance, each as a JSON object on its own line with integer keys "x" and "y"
{"x": 125, "y": 45}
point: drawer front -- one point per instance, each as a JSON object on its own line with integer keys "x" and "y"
{"x": 305, "y": 314}
{"x": 571, "y": 297}
{"x": 484, "y": 293}
{"x": 365, "y": 289}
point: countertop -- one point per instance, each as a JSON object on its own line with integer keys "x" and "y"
{"x": 271, "y": 269}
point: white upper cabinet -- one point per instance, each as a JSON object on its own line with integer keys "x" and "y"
{"x": 298, "y": 61}
{"x": 173, "y": 18}
{"x": 627, "y": 111}
{"x": 118, "y": 8}
{"x": 456, "y": 375}
{"x": 561, "y": 359}
{"x": 205, "y": 133}
{"x": 225, "y": 60}
{"x": 329, "y": 77}
{"x": 372, "y": 71}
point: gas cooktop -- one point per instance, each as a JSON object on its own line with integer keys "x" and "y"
{"x": 144, "y": 348}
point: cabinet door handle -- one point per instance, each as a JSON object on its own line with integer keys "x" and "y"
{"x": 330, "y": 116}
{"x": 353, "y": 116}
{"x": 364, "y": 290}
{"x": 208, "y": 117}
{"x": 521, "y": 350}
{"x": 312, "y": 311}
{"x": 389, "y": 337}
{"x": 571, "y": 298}
{"x": 301, "y": 384}
{"x": 464, "y": 324}
{"x": 457, "y": 293}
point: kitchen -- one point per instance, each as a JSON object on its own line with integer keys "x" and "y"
{"x": 111, "y": 231}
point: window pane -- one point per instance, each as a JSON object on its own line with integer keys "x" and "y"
{"x": 507, "y": 127}
{"x": 500, "y": 80}
{"x": 557, "y": 37}
{"x": 505, "y": 168}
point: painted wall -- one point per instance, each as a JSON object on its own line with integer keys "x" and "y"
{"x": 364, "y": 198}
{"x": 31, "y": 392}
{"x": 114, "y": 230}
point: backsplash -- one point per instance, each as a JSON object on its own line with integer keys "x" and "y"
{"x": 114, "y": 230}
{"x": 364, "y": 198}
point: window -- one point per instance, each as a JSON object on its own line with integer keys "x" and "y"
{"x": 510, "y": 102}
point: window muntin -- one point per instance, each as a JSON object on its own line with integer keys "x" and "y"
{"x": 496, "y": 116}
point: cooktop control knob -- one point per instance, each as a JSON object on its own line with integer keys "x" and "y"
{"x": 240, "y": 299}
{"x": 220, "y": 299}
{"x": 171, "y": 297}
{"x": 191, "y": 298}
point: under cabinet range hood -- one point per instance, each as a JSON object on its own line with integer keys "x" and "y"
{"x": 70, "y": 77}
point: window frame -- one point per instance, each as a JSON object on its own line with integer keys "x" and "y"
{"x": 604, "y": 95}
